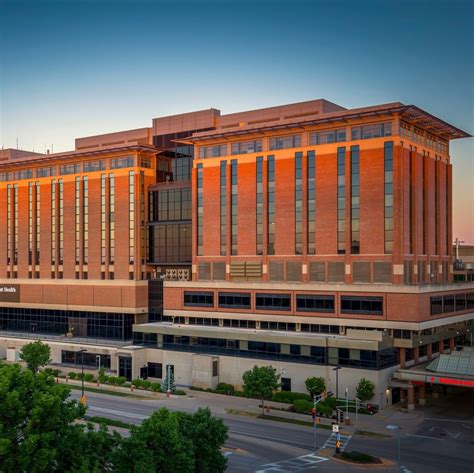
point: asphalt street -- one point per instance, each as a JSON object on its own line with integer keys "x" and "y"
{"x": 255, "y": 445}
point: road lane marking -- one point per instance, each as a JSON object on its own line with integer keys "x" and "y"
{"x": 454, "y": 435}
{"x": 130, "y": 415}
{"x": 423, "y": 436}
{"x": 451, "y": 420}
{"x": 301, "y": 463}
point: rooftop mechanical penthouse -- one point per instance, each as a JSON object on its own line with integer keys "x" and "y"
{"x": 306, "y": 236}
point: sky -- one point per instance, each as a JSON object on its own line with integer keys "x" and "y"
{"x": 74, "y": 68}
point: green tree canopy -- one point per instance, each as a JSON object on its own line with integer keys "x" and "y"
{"x": 365, "y": 390}
{"x": 315, "y": 385}
{"x": 36, "y": 354}
{"x": 261, "y": 382}
{"x": 39, "y": 432}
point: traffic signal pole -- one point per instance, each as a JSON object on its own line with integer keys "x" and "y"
{"x": 316, "y": 401}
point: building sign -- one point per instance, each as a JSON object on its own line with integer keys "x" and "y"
{"x": 451, "y": 381}
{"x": 9, "y": 293}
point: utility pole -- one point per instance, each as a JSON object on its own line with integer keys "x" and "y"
{"x": 316, "y": 401}
{"x": 346, "y": 421}
{"x": 336, "y": 369}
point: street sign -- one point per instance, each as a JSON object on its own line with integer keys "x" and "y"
{"x": 335, "y": 428}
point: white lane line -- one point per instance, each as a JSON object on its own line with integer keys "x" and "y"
{"x": 117, "y": 413}
{"x": 423, "y": 436}
{"x": 451, "y": 420}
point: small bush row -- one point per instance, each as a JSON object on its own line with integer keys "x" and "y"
{"x": 289, "y": 397}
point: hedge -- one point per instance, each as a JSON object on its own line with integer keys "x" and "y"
{"x": 289, "y": 397}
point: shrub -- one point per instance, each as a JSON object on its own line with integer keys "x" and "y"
{"x": 102, "y": 377}
{"x": 289, "y": 397}
{"x": 155, "y": 387}
{"x": 80, "y": 375}
{"x": 72, "y": 375}
{"x": 121, "y": 380}
{"x": 331, "y": 401}
{"x": 180, "y": 392}
{"x": 359, "y": 457}
{"x": 324, "y": 409}
{"x": 89, "y": 377}
{"x": 224, "y": 388}
{"x": 146, "y": 384}
{"x": 302, "y": 407}
{"x": 137, "y": 383}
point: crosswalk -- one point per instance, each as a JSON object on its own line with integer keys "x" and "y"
{"x": 331, "y": 441}
{"x": 297, "y": 464}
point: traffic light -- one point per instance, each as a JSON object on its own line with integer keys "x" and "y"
{"x": 313, "y": 413}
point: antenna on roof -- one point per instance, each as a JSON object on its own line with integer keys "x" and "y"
{"x": 17, "y": 142}
{"x": 33, "y": 140}
{"x": 52, "y": 148}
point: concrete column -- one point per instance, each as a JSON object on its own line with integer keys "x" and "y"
{"x": 429, "y": 351}
{"x": 421, "y": 395}
{"x": 452, "y": 344}
{"x": 416, "y": 355}
{"x": 441, "y": 347}
{"x": 401, "y": 351}
{"x": 403, "y": 395}
{"x": 411, "y": 397}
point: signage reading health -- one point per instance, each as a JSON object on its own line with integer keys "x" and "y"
{"x": 9, "y": 293}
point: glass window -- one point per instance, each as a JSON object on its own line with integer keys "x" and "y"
{"x": 327, "y": 136}
{"x": 362, "y": 305}
{"x": 314, "y": 303}
{"x": 273, "y": 301}
{"x": 198, "y": 299}
{"x": 284, "y": 142}
{"x": 234, "y": 300}
{"x": 243, "y": 147}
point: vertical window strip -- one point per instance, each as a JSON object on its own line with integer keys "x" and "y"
{"x": 200, "y": 209}
{"x": 9, "y": 224}
{"x": 388, "y": 196}
{"x": 15, "y": 223}
{"x": 102, "y": 217}
{"x": 53, "y": 221}
{"x": 355, "y": 200}
{"x": 259, "y": 204}
{"x": 61, "y": 220}
{"x": 77, "y": 218}
{"x": 85, "y": 220}
{"x": 131, "y": 203}
{"x": 142, "y": 218}
{"x": 38, "y": 222}
{"x": 111, "y": 218}
{"x": 30, "y": 223}
{"x": 423, "y": 204}
{"x": 311, "y": 196}
{"x": 234, "y": 207}
{"x": 298, "y": 203}
{"x": 448, "y": 243}
{"x": 436, "y": 177}
{"x": 410, "y": 199}
{"x": 271, "y": 206}
{"x": 341, "y": 200}
{"x": 223, "y": 207}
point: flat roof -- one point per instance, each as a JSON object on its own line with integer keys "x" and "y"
{"x": 410, "y": 113}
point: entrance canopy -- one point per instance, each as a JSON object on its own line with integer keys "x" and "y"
{"x": 455, "y": 369}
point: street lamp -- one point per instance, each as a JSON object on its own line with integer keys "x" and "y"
{"x": 336, "y": 369}
{"x": 397, "y": 428}
{"x": 81, "y": 351}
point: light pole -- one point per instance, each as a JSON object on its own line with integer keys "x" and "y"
{"x": 336, "y": 369}
{"x": 97, "y": 360}
{"x": 81, "y": 351}
{"x": 347, "y": 405}
{"x": 397, "y": 428}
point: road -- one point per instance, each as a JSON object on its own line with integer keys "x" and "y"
{"x": 256, "y": 445}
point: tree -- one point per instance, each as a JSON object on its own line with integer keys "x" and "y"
{"x": 36, "y": 354}
{"x": 315, "y": 385}
{"x": 36, "y": 421}
{"x": 261, "y": 382}
{"x": 208, "y": 435}
{"x": 39, "y": 432}
{"x": 365, "y": 390}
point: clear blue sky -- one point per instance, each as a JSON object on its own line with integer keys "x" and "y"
{"x": 77, "y": 68}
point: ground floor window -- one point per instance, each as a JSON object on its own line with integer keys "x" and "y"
{"x": 91, "y": 360}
